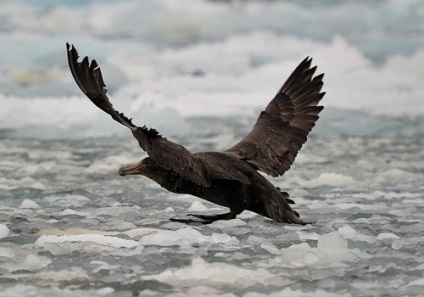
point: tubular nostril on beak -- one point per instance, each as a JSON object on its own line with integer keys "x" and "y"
{"x": 121, "y": 171}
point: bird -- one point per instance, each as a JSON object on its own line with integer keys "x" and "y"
{"x": 229, "y": 178}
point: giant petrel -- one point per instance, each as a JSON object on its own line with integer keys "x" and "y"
{"x": 229, "y": 178}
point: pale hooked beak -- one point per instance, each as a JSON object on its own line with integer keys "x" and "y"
{"x": 130, "y": 169}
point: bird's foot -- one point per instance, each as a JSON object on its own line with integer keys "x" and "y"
{"x": 206, "y": 219}
{"x": 189, "y": 221}
{"x": 286, "y": 196}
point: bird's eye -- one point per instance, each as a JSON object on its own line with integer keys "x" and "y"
{"x": 147, "y": 161}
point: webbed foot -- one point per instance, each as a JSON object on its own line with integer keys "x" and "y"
{"x": 206, "y": 219}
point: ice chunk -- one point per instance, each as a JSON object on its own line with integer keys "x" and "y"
{"x": 227, "y": 224}
{"x": 197, "y": 206}
{"x": 308, "y": 236}
{"x": 6, "y": 252}
{"x": 383, "y": 236}
{"x": 349, "y": 233}
{"x": 418, "y": 282}
{"x": 185, "y": 237}
{"x": 201, "y": 272}
{"x": 28, "y": 182}
{"x": 27, "y": 203}
{"x": 67, "y": 200}
{"x": 106, "y": 291}
{"x": 4, "y": 231}
{"x": 298, "y": 293}
{"x": 71, "y": 212}
{"x": 413, "y": 228}
{"x": 331, "y": 241}
{"x": 73, "y": 275}
{"x": 222, "y": 238}
{"x": 108, "y": 164}
{"x": 399, "y": 243}
{"x": 330, "y": 179}
{"x": 31, "y": 262}
{"x": 270, "y": 248}
{"x": 332, "y": 250}
{"x": 94, "y": 238}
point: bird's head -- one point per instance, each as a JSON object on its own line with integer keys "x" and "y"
{"x": 146, "y": 167}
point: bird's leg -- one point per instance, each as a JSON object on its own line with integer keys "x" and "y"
{"x": 207, "y": 219}
{"x": 224, "y": 216}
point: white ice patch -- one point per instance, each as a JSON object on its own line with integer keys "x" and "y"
{"x": 109, "y": 164}
{"x": 245, "y": 79}
{"x": 384, "y": 235}
{"x": 332, "y": 250}
{"x": 201, "y": 272}
{"x": 97, "y": 239}
{"x": 227, "y": 224}
{"x": 185, "y": 237}
{"x": 67, "y": 200}
{"x": 330, "y": 179}
{"x": 349, "y": 233}
{"x": 31, "y": 262}
{"x": 298, "y": 293}
{"x": 6, "y": 252}
{"x": 4, "y": 231}
{"x": 27, "y": 203}
{"x": 27, "y": 182}
{"x": 197, "y": 206}
{"x": 73, "y": 275}
{"x": 71, "y": 212}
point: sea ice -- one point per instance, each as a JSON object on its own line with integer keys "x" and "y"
{"x": 358, "y": 178}
{"x": 185, "y": 237}
{"x": 332, "y": 250}
{"x": 4, "y": 230}
{"x": 298, "y": 293}
{"x": 27, "y": 203}
{"x": 201, "y": 272}
{"x": 349, "y": 233}
{"x": 67, "y": 200}
{"x": 7, "y": 252}
{"x": 383, "y": 236}
{"x": 330, "y": 179}
{"x": 99, "y": 239}
{"x": 197, "y": 206}
{"x": 31, "y": 262}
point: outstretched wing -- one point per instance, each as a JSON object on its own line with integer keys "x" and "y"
{"x": 282, "y": 129}
{"x": 163, "y": 152}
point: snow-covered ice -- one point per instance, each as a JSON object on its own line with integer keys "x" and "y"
{"x": 70, "y": 226}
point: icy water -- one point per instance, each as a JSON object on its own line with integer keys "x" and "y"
{"x": 72, "y": 227}
{"x": 200, "y": 72}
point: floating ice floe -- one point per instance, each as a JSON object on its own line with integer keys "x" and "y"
{"x": 201, "y": 272}
{"x": 96, "y": 239}
{"x": 330, "y": 179}
{"x": 27, "y": 203}
{"x": 4, "y": 230}
{"x": 185, "y": 237}
{"x": 197, "y": 206}
{"x": 31, "y": 262}
{"x": 331, "y": 251}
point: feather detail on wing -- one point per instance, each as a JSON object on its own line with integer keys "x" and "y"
{"x": 281, "y": 130}
{"x": 163, "y": 152}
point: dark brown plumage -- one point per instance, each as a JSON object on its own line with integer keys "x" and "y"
{"x": 228, "y": 178}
